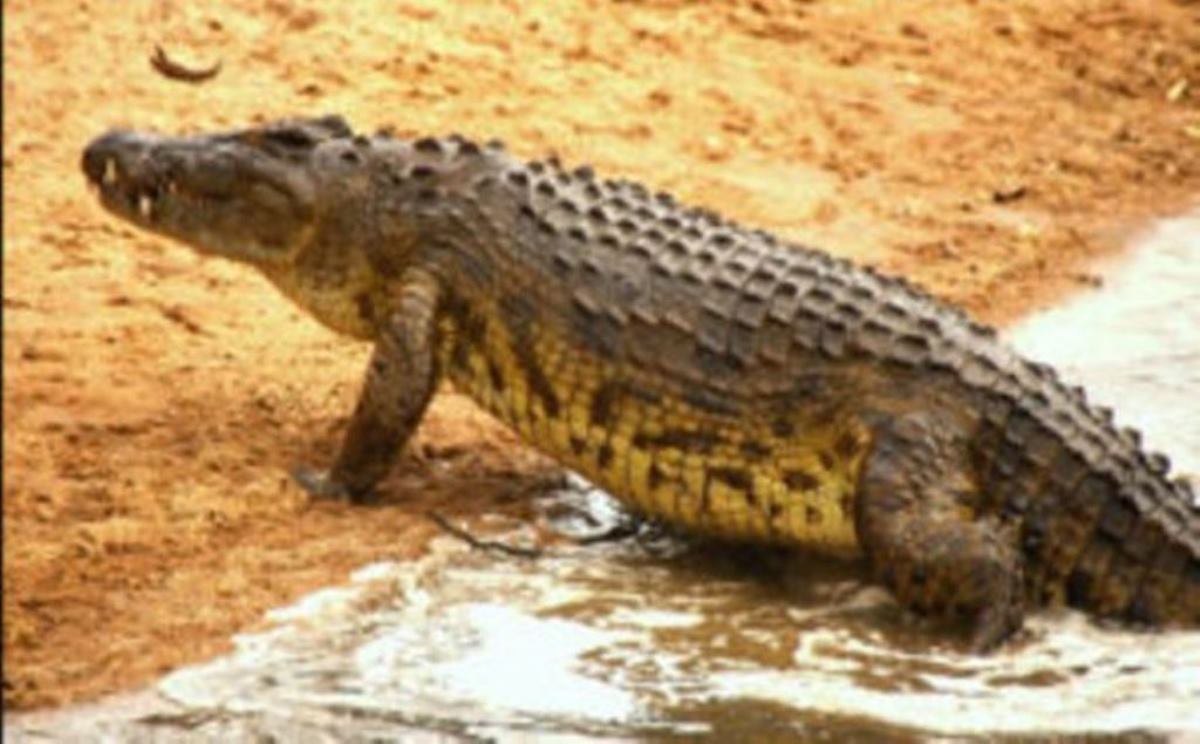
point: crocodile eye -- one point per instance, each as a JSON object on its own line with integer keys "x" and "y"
{"x": 291, "y": 137}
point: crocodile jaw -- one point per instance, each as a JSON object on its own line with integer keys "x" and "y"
{"x": 224, "y": 194}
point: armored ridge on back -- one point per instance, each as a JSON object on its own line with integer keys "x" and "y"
{"x": 706, "y": 374}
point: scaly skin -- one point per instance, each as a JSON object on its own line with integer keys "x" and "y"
{"x": 706, "y": 374}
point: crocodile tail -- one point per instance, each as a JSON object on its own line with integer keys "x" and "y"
{"x": 1136, "y": 565}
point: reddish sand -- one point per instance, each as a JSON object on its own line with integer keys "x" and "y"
{"x": 154, "y": 401}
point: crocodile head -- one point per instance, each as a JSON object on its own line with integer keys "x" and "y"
{"x": 252, "y": 194}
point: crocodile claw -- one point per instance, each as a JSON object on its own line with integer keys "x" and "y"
{"x": 321, "y": 485}
{"x": 997, "y": 623}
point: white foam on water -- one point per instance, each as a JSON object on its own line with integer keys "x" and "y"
{"x": 546, "y": 649}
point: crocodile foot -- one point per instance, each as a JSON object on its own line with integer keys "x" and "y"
{"x": 932, "y": 553}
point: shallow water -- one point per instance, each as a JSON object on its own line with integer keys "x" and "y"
{"x": 655, "y": 638}
{"x": 1135, "y": 344}
{"x": 620, "y": 640}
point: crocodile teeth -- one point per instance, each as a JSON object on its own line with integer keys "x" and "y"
{"x": 110, "y": 172}
{"x": 145, "y": 205}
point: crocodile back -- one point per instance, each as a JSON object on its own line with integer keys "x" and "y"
{"x": 746, "y": 350}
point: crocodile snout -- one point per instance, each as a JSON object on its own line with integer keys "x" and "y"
{"x": 116, "y": 164}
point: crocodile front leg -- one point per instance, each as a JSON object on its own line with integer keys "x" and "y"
{"x": 918, "y": 529}
{"x": 400, "y": 381}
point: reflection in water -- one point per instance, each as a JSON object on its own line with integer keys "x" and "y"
{"x": 659, "y": 639}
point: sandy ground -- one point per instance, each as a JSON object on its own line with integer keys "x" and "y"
{"x": 153, "y": 401}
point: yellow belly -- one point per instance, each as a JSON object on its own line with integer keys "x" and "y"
{"x": 736, "y": 479}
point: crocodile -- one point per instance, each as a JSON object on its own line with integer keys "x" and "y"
{"x": 711, "y": 376}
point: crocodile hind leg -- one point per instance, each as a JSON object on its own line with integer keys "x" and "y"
{"x": 399, "y": 383}
{"x": 916, "y": 524}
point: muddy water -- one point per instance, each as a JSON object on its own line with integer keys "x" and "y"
{"x": 656, "y": 638}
